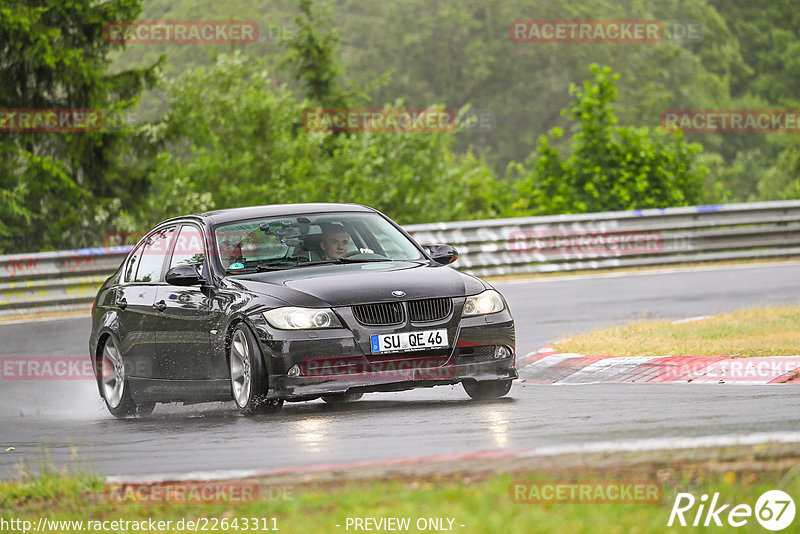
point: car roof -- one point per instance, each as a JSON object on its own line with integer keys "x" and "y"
{"x": 273, "y": 210}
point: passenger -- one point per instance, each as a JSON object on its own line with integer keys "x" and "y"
{"x": 335, "y": 241}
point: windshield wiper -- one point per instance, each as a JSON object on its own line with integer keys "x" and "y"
{"x": 342, "y": 260}
{"x": 263, "y": 267}
{"x": 282, "y": 266}
{"x": 362, "y": 260}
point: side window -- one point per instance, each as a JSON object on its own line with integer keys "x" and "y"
{"x": 153, "y": 254}
{"x": 132, "y": 264}
{"x": 390, "y": 247}
{"x": 188, "y": 247}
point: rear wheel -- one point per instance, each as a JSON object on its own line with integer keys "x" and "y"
{"x": 248, "y": 375}
{"x": 114, "y": 385}
{"x": 341, "y": 398}
{"x": 487, "y": 389}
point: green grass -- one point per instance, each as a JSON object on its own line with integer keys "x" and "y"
{"x": 754, "y": 332}
{"x": 482, "y": 504}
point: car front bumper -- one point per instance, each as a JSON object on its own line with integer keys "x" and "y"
{"x": 307, "y": 364}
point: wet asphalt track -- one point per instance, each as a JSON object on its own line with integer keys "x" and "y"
{"x": 66, "y": 421}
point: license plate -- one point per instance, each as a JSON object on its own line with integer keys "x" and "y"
{"x": 405, "y": 341}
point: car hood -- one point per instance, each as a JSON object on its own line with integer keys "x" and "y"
{"x": 360, "y": 283}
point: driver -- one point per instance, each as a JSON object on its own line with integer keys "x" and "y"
{"x": 335, "y": 241}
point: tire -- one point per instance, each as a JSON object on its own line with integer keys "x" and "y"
{"x": 341, "y": 398}
{"x": 487, "y": 389}
{"x": 248, "y": 374}
{"x": 114, "y": 384}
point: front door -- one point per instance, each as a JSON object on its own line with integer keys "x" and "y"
{"x": 184, "y": 333}
{"x": 135, "y": 300}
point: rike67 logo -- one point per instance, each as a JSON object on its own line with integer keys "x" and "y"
{"x": 774, "y": 510}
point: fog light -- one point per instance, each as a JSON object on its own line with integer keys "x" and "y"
{"x": 501, "y": 351}
{"x": 293, "y": 371}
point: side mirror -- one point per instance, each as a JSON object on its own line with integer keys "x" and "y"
{"x": 444, "y": 254}
{"x": 184, "y": 275}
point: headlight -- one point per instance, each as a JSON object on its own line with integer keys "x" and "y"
{"x": 484, "y": 303}
{"x": 293, "y": 318}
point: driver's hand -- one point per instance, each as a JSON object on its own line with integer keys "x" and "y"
{"x": 366, "y": 251}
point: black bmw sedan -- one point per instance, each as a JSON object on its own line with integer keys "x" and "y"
{"x": 269, "y": 304}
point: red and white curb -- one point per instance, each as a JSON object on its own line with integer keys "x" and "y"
{"x": 548, "y": 366}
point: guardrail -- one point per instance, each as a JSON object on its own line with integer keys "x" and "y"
{"x": 621, "y": 238}
{"x": 53, "y": 281}
{"x": 62, "y": 280}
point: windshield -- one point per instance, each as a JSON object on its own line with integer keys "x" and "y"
{"x": 300, "y": 240}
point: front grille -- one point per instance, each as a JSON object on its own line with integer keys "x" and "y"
{"x": 379, "y": 314}
{"x": 429, "y": 309}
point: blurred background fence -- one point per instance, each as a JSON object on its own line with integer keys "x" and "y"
{"x": 68, "y": 280}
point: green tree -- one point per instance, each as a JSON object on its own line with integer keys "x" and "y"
{"x": 233, "y": 138}
{"x": 63, "y": 189}
{"x": 459, "y": 52}
{"x": 782, "y": 180}
{"x": 311, "y": 57}
{"x": 769, "y": 41}
{"x": 610, "y": 167}
{"x": 232, "y": 130}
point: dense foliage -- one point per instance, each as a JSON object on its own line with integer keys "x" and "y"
{"x": 223, "y": 128}
{"x": 56, "y": 188}
{"x": 610, "y": 167}
{"x": 231, "y": 138}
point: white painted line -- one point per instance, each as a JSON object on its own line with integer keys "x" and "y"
{"x": 655, "y": 444}
{"x": 221, "y": 474}
{"x": 692, "y": 319}
{"x": 80, "y": 315}
{"x": 650, "y": 444}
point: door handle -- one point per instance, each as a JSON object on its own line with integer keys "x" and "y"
{"x": 160, "y": 305}
{"x": 122, "y": 303}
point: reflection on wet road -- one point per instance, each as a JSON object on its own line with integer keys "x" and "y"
{"x": 67, "y": 422}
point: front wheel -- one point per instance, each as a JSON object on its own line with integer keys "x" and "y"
{"x": 248, "y": 376}
{"x": 486, "y": 389}
{"x": 114, "y": 385}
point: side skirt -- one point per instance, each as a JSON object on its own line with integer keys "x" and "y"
{"x": 155, "y": 390}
